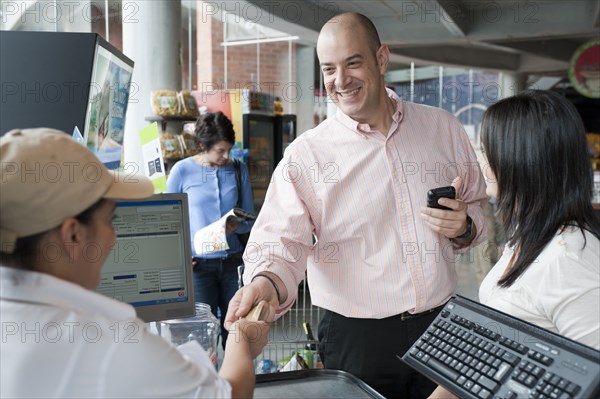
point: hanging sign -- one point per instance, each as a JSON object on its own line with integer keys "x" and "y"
{"x": 584, "y": 70}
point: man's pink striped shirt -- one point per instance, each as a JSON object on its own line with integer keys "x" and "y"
{"x": 358, "y": 193}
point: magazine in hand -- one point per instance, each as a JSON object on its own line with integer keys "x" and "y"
{"x": 213, "y": 237}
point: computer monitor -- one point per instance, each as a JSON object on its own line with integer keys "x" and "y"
{"x": 150, "y": 266}
{"x": 107, "y": 103}
{"x": 64, "y": 80}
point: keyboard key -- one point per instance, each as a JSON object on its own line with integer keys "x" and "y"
{"x": 546, "y": 360}
{"x": 488, "y": 383}
{"x": 484, "y": 394}
{"x": 503, "y": 370}
{"x": 529, "y": 367}
{"x": 510, "y": 358}
{"x": 562, "y": 384}
{"x": 537, "y": 372}
{"x": 572, "y": 389}
{"x": 443, "y": 370}
{"x": 529, "y": 381}
{"x": 555, "y": 393}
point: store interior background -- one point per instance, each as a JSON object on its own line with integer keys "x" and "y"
{"x": 459, "y": 55}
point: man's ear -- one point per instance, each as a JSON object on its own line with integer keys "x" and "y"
{"x": 383, "y": 58}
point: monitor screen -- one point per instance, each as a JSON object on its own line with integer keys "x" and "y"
{"x": 150, "y": 266}
{"x": 107, "y": 103}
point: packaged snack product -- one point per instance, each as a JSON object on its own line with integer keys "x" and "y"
{"x": 171, "y": 146}
{"x": 165, "y": 103}
{"x": 189, "y": 144}
{"x": 189, "y": 106}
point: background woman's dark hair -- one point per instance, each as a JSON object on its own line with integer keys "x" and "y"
{"x": 211, "y": 128}
{"x": 536, "y": 146}
{"x": 27, "y": 249}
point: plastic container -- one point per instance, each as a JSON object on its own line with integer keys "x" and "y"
{"x": 596, "y": 188}
{"x": 204, "y": 328}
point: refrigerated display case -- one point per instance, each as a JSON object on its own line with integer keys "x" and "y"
{"x": 259, "y": 139}
{"x": 266, "y": 137}
{"x": 285, "y": 133}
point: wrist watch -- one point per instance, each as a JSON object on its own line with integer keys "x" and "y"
{"x": 469, "y": 231}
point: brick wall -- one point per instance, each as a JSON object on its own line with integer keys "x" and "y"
{"x": 242, "y": 63}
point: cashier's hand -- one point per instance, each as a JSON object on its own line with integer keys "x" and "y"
{"x": 441, "y": 393}
{"x": 260, "y": 289}
{"x": 254, "y": 333}
{"x": 449, "y": 223}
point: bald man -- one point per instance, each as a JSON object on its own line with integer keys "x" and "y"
{"x": 382, "y": 265}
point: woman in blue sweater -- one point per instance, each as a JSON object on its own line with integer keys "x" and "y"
{"x": 209, "y": 179}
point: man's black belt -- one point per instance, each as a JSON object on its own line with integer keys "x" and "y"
{"x": 408, "y": 316}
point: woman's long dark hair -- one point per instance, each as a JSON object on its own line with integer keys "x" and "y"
{"x": 536, "y": 146}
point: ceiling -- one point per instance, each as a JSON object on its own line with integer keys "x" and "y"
{"x": 535, "y": 37}
{"x": 522, "y": 36}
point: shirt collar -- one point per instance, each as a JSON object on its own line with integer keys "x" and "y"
{"x": 363, "y": 129}
{"x": 34, "y": 287}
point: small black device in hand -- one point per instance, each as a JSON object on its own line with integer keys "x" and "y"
{"x": 243, "y": 214}
{"x": 435, "y": 194}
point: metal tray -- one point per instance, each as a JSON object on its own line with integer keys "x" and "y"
{"x": 312, "y": 383}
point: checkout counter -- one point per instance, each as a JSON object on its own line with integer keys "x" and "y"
{"x": 312, "y": 383}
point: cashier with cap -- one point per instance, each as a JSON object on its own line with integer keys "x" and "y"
{"x": 60, "y": 338}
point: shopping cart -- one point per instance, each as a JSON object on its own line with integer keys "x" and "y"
{"x": 287, "y": 334}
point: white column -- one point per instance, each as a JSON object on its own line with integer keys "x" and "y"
{"x": 47, "y": 15}
{"x": 152, "y": 39}
{"x": 77, "y": 16}
{"x": 305, "y": 75}
{"x": 512, "y": 83}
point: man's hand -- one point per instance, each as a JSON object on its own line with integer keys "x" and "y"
{"x": 249, "y": 296}
{"x": 450, "y": 223}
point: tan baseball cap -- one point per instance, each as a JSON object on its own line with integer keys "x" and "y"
{"x": 46, "y": 177}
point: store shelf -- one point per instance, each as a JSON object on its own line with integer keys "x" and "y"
{"x": 163, "y": 120}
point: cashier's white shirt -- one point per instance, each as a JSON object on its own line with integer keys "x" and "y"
{"x": 60, "y": 340}
{"x": 560, "y": 291}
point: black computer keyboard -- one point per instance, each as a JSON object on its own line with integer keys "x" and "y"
{"x": 478, "y": 352}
